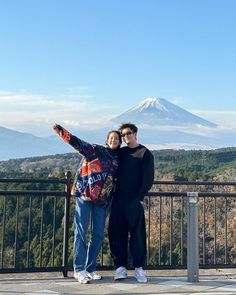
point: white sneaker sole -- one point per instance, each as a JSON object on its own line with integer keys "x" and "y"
{"x": 83, "y": 282}
{"x": 121, "y": 277}
{"x": 141, "y": 280}
{"x": 96, "y": 278}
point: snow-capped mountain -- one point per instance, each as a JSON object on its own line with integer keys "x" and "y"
{"x": 159, "y": 111}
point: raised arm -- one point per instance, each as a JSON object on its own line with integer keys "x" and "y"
{"x": 83, "y": 147}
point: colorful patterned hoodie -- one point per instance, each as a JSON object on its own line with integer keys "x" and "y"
{"x": 95, "y": 176}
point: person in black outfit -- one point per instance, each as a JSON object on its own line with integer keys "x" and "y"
{"x": 135, "y": 177}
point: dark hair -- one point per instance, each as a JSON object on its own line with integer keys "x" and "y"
{"x": 133, "y": 127}
{"x": 117, "y": 132}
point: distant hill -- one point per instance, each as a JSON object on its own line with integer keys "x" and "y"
{"x": 219, "y": 164}
{"x": 14, "y": 144}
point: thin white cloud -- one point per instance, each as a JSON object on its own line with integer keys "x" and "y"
{"x": 28, "y": 112}
{"x": 223, "y": 125}
{"x": 225, "y": 119}
{"x": 178, "y": 146}
{"x": 197, "y": 129}
{"x": 30, "y": 102}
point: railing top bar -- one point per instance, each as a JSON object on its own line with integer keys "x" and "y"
{"x": 194, "y": 182}
{"x": 166, "y": 182}
{"x": 33, "y": 180}
{"x": 151, "y": 194}
{"x": 184, "y": 194}
{"x": 33, "y": 192}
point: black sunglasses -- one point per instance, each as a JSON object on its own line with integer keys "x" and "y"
{"x": 127, "y": 133}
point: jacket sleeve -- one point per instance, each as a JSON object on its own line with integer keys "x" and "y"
{"x": 148, "y": 174}
{"x": 83, "y": 147}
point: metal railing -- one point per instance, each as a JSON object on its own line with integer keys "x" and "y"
{"x": 36, "y": 233}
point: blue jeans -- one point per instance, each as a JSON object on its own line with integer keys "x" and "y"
{"x": 85, "y": 254}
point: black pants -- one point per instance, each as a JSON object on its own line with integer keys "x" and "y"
{"x": 127, "y": 217}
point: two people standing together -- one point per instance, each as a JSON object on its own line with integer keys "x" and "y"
{"x": 133, "y": 167}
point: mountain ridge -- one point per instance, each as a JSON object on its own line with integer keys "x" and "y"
{"x": 16, "y": 144}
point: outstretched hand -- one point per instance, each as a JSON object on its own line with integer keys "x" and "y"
{"x": 58, "y": 129}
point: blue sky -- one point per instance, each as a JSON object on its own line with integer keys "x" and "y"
{"x": 82, "y": 62}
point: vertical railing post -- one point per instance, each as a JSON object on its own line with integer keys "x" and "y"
{"x": 66, "y": 223}
{"x": 3, "y": 231}
{"x": 192, "y": 238}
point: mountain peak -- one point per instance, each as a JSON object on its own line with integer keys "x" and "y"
{"x": 150, "y": 102}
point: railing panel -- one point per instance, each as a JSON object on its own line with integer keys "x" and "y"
{"x": 30, "y": 234}
{"x": 217, "y": 231}
{"x": 166, "y": 230}
{"x": 36, "y": 226}
{"x": 32, "y": 227}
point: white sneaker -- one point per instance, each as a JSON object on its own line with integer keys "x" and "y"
{"x": 120, "y": 273}
{"x": 140, "y": 275}
{"x": 94, "y": 275}
{"x": 82, "y": 277}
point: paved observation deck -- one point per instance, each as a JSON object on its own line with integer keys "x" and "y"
{"x": 161, "y": 282}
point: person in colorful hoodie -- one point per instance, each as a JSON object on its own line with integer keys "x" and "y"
{"x": 92, "y": 188}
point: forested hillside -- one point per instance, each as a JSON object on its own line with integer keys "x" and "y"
{"x": 173, "y": 164}
{"x": 196, "y": 165}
